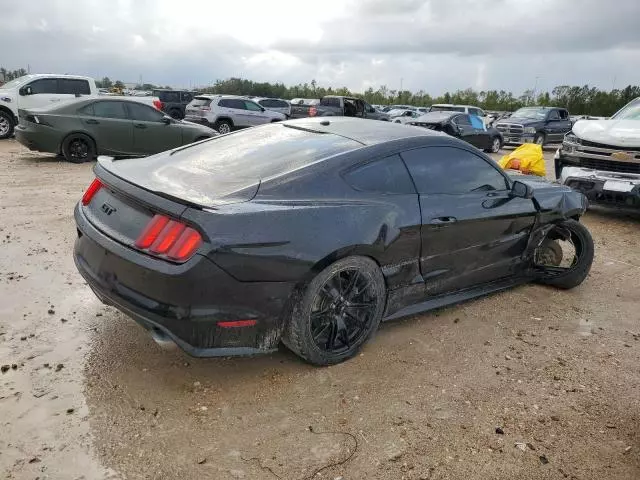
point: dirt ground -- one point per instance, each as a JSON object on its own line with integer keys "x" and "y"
{"x": 532, "y": 383}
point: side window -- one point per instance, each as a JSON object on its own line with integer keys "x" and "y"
{"x": 462, "y": 120}
{"x": 142, "y": 113}
{"x": 44, "y": 85}
{"x": 387, "y": 175}
{"x": 279, "y": 103}
{"x": 564, "y": 115}
{"x": 88, "y": 110}
{"x": 109, "y": 110}
{"x": 254, "y": 107}
{"x": 73, "y": 86}
{"x": 453, "y": 171}
{"x": 224, "y": 103}
{"x": 236, "y": 103}
{"x": 186, "y": 97}
{"x": 553, "y": 115}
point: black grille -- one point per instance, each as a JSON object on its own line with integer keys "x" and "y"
{"x": 587, "y": 143}
{"x": 610, "y": 166}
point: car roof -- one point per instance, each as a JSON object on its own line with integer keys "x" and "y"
{"x": 438, "y": 116}
{"x": 366, "y": 132}
{"x": 33, "y": 76}
{"x": 219, "y": 95}
{"x": 455, "y": 105}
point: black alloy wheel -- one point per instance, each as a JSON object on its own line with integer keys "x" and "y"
{"x": 338, "y": 312}
{"x": 341, "y": 311}
{"x": 78, "y": 148}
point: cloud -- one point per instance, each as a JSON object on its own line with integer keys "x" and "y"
{"x": 432, "y": 45}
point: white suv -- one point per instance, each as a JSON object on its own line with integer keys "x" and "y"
{"x": 225, "y": 113}
{"x": 39, "y": 90}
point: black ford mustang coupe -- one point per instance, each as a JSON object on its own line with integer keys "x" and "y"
{"x": 312, "y": 231}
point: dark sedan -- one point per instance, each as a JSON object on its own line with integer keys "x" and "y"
{"x": 81, "y": 130}
{"x": 462, "y": 126}
{"x": 313, "y": 231}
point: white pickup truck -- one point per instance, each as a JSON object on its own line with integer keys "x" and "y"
{"x": 39, "y": 90}
{"x": 601, "y": 158}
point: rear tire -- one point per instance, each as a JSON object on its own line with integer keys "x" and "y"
{"x": 7, "y": 125}
{"x": 78, "y": 148}
{"x": 222, "y": 126}
{"x": 577, "y": 273}
{"x": 346, "y": 302}
{"x": 496, "y": 145}
{"x": 540, "y": 139}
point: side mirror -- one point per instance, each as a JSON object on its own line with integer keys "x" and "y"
{"x": 521, "y": 190}
{"x": 167, "y": 120}
{"x": 262, "y": 109}
{"x": 26, "y": 91}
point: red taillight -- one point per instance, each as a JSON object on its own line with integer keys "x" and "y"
{"x": 186, "y": 245}
{"x": 237, "y": 323}
{"x": 151, "y": 231}
{"x": 206, "y": 109}
{"x": 91, "y": 191}
{"x": 171, "y": 238}
{"x": 313, "y": 111}
{"x": 158, "y": 104}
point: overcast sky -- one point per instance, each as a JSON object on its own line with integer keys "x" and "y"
{"x": 434, "y": 45}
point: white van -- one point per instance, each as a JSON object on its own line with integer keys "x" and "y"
{"x": 39, "y": 90}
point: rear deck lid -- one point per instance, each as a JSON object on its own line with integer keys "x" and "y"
{"x": 229, "y": 168}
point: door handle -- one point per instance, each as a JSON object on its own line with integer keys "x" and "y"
{"x": 92, "y": 122}
{"x": 442, "y": 220}
{"x": 139, "y": 125}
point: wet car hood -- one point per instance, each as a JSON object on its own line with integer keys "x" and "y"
{"x": 620, "y": 133}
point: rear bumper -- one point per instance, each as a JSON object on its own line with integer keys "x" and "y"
{"x": 40, "y": 140}
{"x": 602, "y": 187}
{"x": 181, "y": 302}
{"x": 198, "y": 120}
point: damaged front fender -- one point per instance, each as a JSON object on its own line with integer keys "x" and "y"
{"x": 555, "y": 204}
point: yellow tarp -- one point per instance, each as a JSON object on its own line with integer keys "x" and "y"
{"x": 527, "y": 158}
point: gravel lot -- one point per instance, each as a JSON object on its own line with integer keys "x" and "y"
{"x": 88, "y": 395}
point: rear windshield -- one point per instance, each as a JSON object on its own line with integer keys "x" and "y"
{"x": 229, "y": 168}
{"x": 200, "y": 102}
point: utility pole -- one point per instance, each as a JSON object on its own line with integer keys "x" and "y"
{"x": 400, "y": 95}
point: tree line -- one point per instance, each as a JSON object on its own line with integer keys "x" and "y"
{"x": 583, "y": 100}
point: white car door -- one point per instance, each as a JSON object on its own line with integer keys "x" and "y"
{"x": 39, "y": 93}
{"x": 257, "y": 115}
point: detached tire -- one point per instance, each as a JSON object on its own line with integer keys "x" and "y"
{"x": 6, "y": 125}
{"x": 78, "y": 148}
{"x": 577, "y": 273}
{"x": 337, "y": 312}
